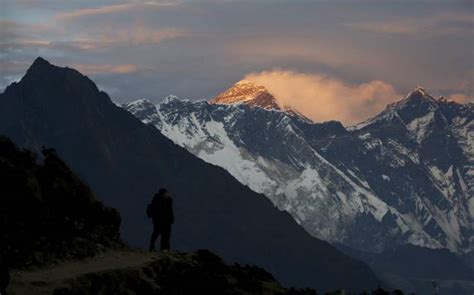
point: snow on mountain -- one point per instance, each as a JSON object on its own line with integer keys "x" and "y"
{"x": 404, "y": 176}
{"x": 249, "y": 93}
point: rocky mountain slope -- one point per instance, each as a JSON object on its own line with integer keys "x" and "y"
{"x": 125, "y": 162}
{"x": 47, "y": 214}
{"x": 405, "y": 176}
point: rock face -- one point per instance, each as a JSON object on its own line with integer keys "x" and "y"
{"x": 405, "y": 176}
{"x": 125, "y": 162}
{"x": 47, "y": 213}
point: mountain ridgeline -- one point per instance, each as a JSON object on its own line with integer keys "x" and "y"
{"x": 404, "y": 176}
{"x": 125, "y": 162}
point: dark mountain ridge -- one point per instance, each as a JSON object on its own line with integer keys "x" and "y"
{"x": 125, "y": 162}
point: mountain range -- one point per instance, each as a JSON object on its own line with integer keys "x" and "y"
{"x": 57, "y": 238}
{"x": 125, "y": 162}
{"x": 405, "y": 176}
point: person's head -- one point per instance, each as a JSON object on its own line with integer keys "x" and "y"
{"x": 162, "y": 191}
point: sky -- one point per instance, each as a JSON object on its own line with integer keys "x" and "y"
{"x": 332, "y": 60}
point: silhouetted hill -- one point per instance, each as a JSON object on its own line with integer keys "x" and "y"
{"x": 135, "y": 272}
{"x": 47, "y": 213}
{"x": 59, "y": 239}
{"x": 125, "y": 162}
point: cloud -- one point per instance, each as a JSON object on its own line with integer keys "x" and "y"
{"x": 389, "y": 28}
{"x": 13, "y": 66}
{"x": 14, "y": 30}
{"x": 132, "y": 36}
{"x": 92, "y": 69}
{"x": 196, "y": 48}
{"x": 99, "y": 40}
{"x": 323, "y": 98}
{"x": 68, "y": 15}
{"x": 447, "y": 23}
{"x": 111, "y": 26}
{"x": 461, "y": 98}
{"x": 464, "y": 92}
{"x": 12, "y": 71}
{"x": 109, "y": 9}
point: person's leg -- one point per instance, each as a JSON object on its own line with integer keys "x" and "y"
{"x": 154, "y": 236}
{"x": 165, "y": 237}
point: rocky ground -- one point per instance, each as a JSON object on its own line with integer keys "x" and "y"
{"x": 139, "y": 272}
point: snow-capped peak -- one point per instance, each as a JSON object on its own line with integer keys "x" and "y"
{"x": 245, "y": 83}
{"x": 142, "y": 107}
{"x": 416, "y": 103}
{"x": 172, "y": 98}
{"x": 419, "y": 90}
{"x": 249, "y": 93}
{"x": 139, "y": 104}
{"x": 444, "y": 99}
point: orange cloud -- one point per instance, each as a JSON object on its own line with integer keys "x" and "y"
{"x": 105, "y": 69}
{"x": 464, "y": 91}
{"x": 461, "y": 98}
{"x": 93, "y": 11}
{"x": 108, "y": 9}
{"x": 323, "y": 98}
{"x": 132, "y": 36}
{"x": 139, "y": 35}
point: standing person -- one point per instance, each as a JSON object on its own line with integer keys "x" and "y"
{"x": 435, "y": 288}
{"x": 160, "y": 210}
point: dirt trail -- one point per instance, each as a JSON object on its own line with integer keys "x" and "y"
{"x": 43, "y": 281}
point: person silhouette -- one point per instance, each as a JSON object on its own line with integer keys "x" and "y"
{"x": 160, "y": 210}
